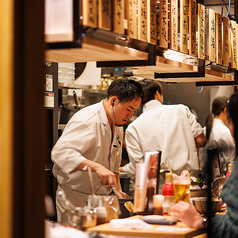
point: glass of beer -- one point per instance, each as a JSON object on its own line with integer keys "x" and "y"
{"x": 182, "y": 188}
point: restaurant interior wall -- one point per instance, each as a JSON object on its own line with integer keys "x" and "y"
{"x": 188, "y": 94}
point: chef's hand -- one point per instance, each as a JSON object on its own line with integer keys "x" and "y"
{"x": 124, "y": 195}
{"x": 107, "y": 177}
{"x": 187, "y": 214}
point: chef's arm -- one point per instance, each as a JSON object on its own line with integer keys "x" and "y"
{"x": 119, "y": 192}
{"x": 107, "y": 177}
{"x": 200, "y": 140}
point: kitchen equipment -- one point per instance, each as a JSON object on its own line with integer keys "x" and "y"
{"x": 93, "y": 201}
{"x": 125, "y": 183}
{"x": 169, "y": 165}
{"x": 217, "y": 185}
{"x": 82, "y": 218}
{"x": 200, "y": 203}
{"x": 124, "y": 212}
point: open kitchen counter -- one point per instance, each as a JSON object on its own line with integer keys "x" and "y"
{"x": 178, "y": 230}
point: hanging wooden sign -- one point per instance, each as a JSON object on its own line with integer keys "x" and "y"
{"x": 218, "y": 46}
{"x": 192, "y": 27}
{"x": 174, "y": 25}
{"x": 184, "y": 26}
{"x": 210, "y": 33}
{"x": 104, "y": 14}
{"x": 118, "y": 16}
{"x": 90, "y": 13}
{"x": 225, "y": 38}
{"x": 237, "y": 47}
{"x": 131, "y": 6}
{"x": 142, "y": 20}
{"x": 233, "y": 45}
{"x": 163, "y": 31}
{"x": 201, "y": 31}
{"x": 158, "y": 23}
{"x": 151, "y": 21}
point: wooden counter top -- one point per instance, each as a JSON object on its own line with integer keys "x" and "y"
{"x": 108, "y": 229}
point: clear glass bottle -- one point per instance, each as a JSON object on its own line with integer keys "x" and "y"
{"x": 168, "y": 192}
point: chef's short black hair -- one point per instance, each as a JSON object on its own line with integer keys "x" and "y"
{"x": 150, "y": 87}
{"x": 125, "y": 89}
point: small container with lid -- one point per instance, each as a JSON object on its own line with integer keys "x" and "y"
{"x": 101, "y": 212}
{"x": 168, "y": 192}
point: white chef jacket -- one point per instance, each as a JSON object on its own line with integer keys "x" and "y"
{"x": 220, "y": 137}
{"x": 86, "y": 136}
{"x": 167, "y": 128}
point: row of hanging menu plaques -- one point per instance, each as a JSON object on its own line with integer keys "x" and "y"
{"x": 161, "y": 23}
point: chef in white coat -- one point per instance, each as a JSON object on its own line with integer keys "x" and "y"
{"x": 171, "y": 129}
{"x": 218, "y": 135}
{"x": 93, "y": 137}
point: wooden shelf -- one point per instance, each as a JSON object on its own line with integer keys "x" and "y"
{"x": 169, "y": 66}
{"x": 95, "y": 50}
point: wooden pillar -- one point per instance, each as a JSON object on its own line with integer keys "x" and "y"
{"x": 6, "y": 117}
{"x": 29, "y": 129}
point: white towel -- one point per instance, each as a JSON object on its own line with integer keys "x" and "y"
{"x": 130, "y": 224}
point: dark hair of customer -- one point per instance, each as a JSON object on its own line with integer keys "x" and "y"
{"x": 150, "y": 87}
{"x": 218, "y": 105}
{"x": 232, "y": 114}
{"x": 125, "y": 89}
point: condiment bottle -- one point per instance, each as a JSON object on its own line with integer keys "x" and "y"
{"x": 101, "y": 213}
{"x": 168, "y": 192}
{"x": 229, "y": 169}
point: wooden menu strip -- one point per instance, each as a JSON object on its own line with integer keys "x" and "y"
{"x": 118, "y": 16}
{"x": 151, "y": 22}
{"x": 218, "y": 48}
{"x": 233, "y": 45}
{"x": 105, "y": 14}
{"x": 237, "y": 47}
{"x": 192, "y": 27}
{"x": 131, "y": 7}
{"x": 210, "y": 32}
{"x": 174, "y": 25}
{"x": 225, "y": 37}
{"x": 90, "y": 13}
{"x": 142, "y": 20}
{"x": 163, "y": 31}
{"x": 184, "y": 26}
{"x": 201, "y": 31}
